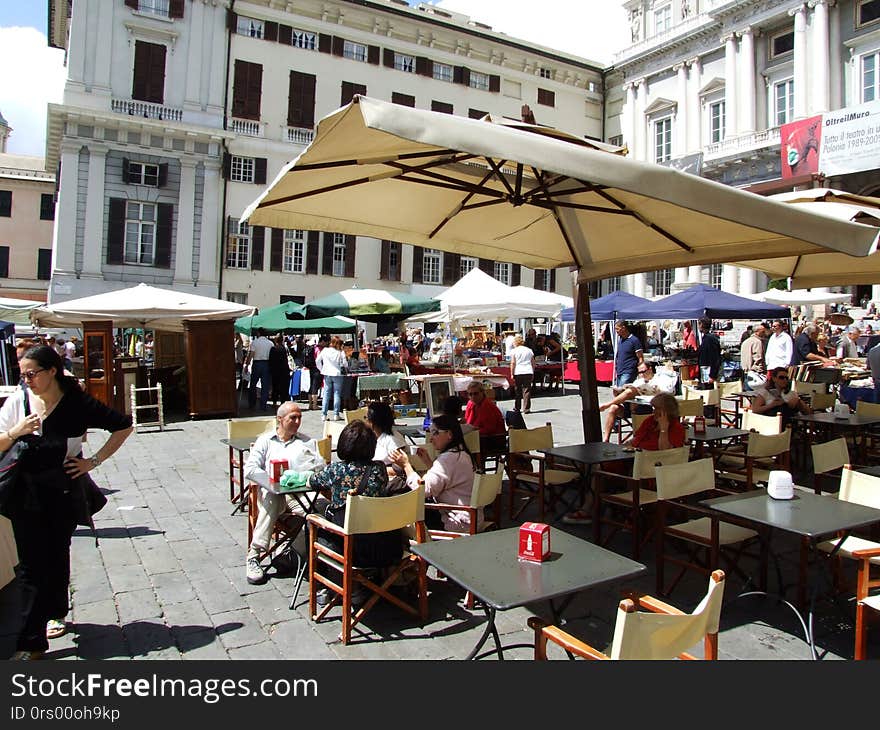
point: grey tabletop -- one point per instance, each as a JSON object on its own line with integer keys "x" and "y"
{"x": 871, "y": 471}
{"x": 715, "y": 433}
{"x": 407, "y": 430}
{"x": 594, "y": 452}
{"x": 807, "y": 514}
{"x": 239, "y": 444}
{"x": 854, "y": 420}
{"x": 487, "y": 565}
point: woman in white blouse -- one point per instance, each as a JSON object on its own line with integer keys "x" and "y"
{"x": 380, "y": 418}
{"x": 450, "y": 477}
{"x": 331, "y": 362}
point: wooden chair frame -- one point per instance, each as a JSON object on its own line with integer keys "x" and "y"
{"x": 539, "y": 483}
{"x": 704, "y": 620}
{"x": 762, "y": 453}
{"x": 413, "y": 504}
{"x": 243, "y": 428}
{"x": 865, "y": 603}
{"x": 828, "y": 459}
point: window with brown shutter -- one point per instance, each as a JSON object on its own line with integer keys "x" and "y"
{"x": 403, "y": 99}
{"x": 337, "y": 46}
{"x": 116, "y": 231}
{"x": 270, "y": 30}
{"x": 461, "y": 75}
{"x": 260, "y": 170}
{"x": 325, "y": 43}
{"x": 515, "y": 274}
{"x": 175, "y": 9}
{"x": 276, "y": 253}
{"x": 4, "y": 262}
{"x": 258, "y": 247}
{"x": 314, "y": 242}
{"x": 148, "y": 82}
{"x": 164, "y": 222}
{"x": 383, "y": 260}
{"x": 494, "y": 83}
{"x": 388, "y": 58}
{"x": 285, "y": 34}
{"x": 301, "y": 100}
{"x": 133, "y": 4}
{"x": 552, "y": 286}
{"x": 547, "y": 98}
{"x": 327, "y": 255}
{"x": 441, "y": 106}
{"x": 451, "y": 266}
{"x": 476, "y": 114}
{"x": 247, "y": 89}
{"x": 488, "y": 266}
{"x": 424, "y": 66}
{"x": 373, "y": 55}
{"x": 418, "y": 264}
{"x": 349, "y": 90}
{"x": 350, "y": 255}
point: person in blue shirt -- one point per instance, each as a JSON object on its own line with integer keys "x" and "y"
{"x": 629, "y": 355}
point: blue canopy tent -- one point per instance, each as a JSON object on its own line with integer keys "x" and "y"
{"x": 707, "y": 301}
{"x": 7, "y": 340}
{"x": 613, "y": 306}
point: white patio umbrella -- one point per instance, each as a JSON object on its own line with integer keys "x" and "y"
{"x": 826, "y": 268}
{"x": 482, "y": 189}
{"x": 799, "y": 296}
{"x": 143, "y": 306}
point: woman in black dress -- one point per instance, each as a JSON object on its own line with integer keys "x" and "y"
{"x": 53, "y": 413}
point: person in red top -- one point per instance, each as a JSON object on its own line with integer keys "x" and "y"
{"x": 663, "y": 429}
{"x": 483, "y": 415}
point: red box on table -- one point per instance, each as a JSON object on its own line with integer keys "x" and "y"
{"x": 276, "y": 468}
{"x": 534, "y": 542}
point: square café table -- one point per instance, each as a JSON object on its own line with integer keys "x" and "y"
{"x": 585, "y": 456}
{"x": 712, "y": 435}
{"x": 487, "y": 565}
{"x": 808, "y": 515}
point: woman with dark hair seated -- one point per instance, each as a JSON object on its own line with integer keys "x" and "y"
{"x": 380, "y": 418}
{"x": 450, "y": 477}
{"x": 356, "y": 472}
{"x": 49, "y": 499}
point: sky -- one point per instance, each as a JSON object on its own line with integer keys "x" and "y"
{"x": 592, "y": 29}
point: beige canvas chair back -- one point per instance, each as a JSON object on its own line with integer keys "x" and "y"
{"x": 380, "y": 514}
{"x": 530, "y": 439}
{"x": 486, "y": 488}
{"x": 325, "y": 448}
{"x": 823, "y": 401}
{"x": 242, "y": 428}
{"x": 472, "y": 441}
{"x": 690, "y": 408}
{"x": 638, "y": 419}
{"x": 645, "y": 461}
{"x": 830, "y": 456}
{"x": 727, "y": 390}
{"x": 359, "y": 414}
{"x": 864, "y": 408}
{"x": 8, "y": 553}
{"x": 680, "y": 480}
{"x": 766, "y": 425}
{"x": 333, "y": 429}
{"x": 809, "y": 388}
{"x": 642, "y": 635}
{"x": 859, "y": 488}
{"x": 773, "y": 445}
{"x": 710, "y": 397}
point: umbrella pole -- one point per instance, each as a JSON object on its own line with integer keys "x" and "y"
{"x": 587, "y": 365}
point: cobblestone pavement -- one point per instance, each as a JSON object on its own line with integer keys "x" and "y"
{"x": 167, "y": 579}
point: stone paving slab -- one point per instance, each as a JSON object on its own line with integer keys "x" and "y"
{"x": 167, "y": 578}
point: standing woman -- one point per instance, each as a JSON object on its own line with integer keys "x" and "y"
{"x": 522, "y": 369}
{"x": 331, "y": 362}
{"x": 43, "y": 506}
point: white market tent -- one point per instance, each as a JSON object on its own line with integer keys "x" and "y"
{"x": 799, "y": 296}
{"x": 143, "y": 306}
{"x": 17, "y": 311}
{"x": 538, "y": 295}
{"x": 478, "y": 296}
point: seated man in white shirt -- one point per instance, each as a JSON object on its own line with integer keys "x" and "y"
{"x": 301, "y": 454}
{"x": 647, "y": 383}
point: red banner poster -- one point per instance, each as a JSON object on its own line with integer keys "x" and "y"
{"x": 801, "y": 142}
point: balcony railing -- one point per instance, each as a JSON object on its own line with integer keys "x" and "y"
{"x": 743, "y": 143}
{"x": 146, "y": 110}
{"x": 300, "y": 135}
{"x": 663, "y": 38}
{"x": 247, "y": 127}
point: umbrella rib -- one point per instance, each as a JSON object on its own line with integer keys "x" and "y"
{"x": 317, "y": 191}
{"x": 453, "y": 213}
{"x": 496, "y": 168}
{"x": 461, "y": 187}
{"x": 355, "y": 162}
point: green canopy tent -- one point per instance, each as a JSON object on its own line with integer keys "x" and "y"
{"x": 289, "y": 317}
{"x": 370, "y": 305}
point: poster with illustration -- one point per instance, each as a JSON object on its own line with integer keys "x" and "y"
{"x": 800, "y": 146}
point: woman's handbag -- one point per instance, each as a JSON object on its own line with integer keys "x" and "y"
{"x": 10, "y": 466}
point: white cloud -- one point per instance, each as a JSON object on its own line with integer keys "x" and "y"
{"x": 33, "y": 76}
{"x": 592, "y": 29}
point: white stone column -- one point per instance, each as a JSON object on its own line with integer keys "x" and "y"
{"x": 630, "y": 117}
{"x": 639, "y": 121}
{"x": 748, "y": 281}
{"x": 695, "y": 115}
{"x": 209, "y": 243}
{"x": 835, "y": 81}
{"x": 800, "y": 60}
{"x": 639, "y": 285}
{"x": 695, "y": 273}
{"x": 64, "y": 235}
{"x": 681, "y": 275}
{"x": 728, "y": 279}
{"x": 183, "y": 249}
{"x": 747, "y": 91}
{"x": 820, "y": 53}
{"x": 682, "y": 121}
{"x": 730, "y": 96}
{"x": 195, "y": 67}
{"x": 93, "y": 232}
{"x": 875, "y": 292}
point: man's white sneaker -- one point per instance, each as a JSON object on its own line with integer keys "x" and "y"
{"x": 255, "y": 573}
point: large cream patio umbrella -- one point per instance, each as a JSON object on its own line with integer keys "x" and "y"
{"x": 826, "y": 268}
{"x": 477, "y": 188}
